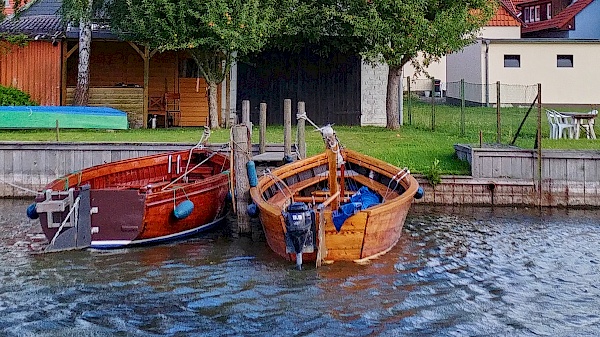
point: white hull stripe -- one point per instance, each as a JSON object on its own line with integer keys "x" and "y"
{"x": 100, "y": 244}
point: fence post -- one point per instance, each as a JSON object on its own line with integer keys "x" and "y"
{"x": 462, "y": 107}
{"x": 432, "y": 104}
{"x": 539, "y": 142}
{"x": 262, "y": 138}
{"x": 287, "y": 128}
{"x": 409, "y": 100}
{"x": 498, "y": 121}
{"x": 301, "y": 146}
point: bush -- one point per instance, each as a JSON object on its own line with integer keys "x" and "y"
{"x": 10, "y": 96}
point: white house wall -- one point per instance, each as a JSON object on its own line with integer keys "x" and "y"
{"x": 576, "y": 85}
{"x": 467, "y": 65}
{"x": 504, "y": 32}
{"x": 421, "y": 81}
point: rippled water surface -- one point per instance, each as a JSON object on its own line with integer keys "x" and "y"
{"x": 455, "y": 272}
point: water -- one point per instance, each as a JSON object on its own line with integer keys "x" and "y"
{"x": 455, "y": 272}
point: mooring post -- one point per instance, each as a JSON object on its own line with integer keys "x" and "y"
{"x": 241, "y": 155}
{"x": 246, "y": 114}
{"x": 301, "y": 146}
{"x": 287, "y": 128}
{"x": 262, "y": 138}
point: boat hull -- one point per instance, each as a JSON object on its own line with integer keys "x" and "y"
{"x": 133, "y": 201}
{"x": 364, "y": 235}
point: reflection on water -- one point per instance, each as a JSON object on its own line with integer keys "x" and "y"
{"x": 455, "y": 272}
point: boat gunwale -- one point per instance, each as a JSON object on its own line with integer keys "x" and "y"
{"x": 105, "y": 169}
{"x": 409, "y": 183}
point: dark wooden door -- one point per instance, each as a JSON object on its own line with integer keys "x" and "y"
{"x": 329, "y": 86}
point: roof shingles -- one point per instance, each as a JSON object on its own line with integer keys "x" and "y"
{"x": 561, "y": 20}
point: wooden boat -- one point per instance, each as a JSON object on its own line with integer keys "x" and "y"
{"x": 317, "y": 195}
{"x": 135, "y": 201}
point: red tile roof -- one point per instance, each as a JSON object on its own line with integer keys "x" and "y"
{"x": 559, "y": 21}
{"x": 505, "y": 17}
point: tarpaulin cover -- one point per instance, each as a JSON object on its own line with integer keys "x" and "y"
{"x": 362, "y": 199}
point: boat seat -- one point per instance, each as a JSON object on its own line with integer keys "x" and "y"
{"x": 280, "y": 198}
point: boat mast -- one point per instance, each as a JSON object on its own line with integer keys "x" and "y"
{"x": 334, "y": 161}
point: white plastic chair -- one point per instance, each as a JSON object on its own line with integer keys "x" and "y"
{"x": 552, "y": 124}
{"x": 564, "y": 123}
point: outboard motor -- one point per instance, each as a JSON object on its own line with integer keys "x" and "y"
{"x": 300, "y": 230}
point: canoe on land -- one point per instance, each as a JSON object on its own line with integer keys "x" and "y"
{"x": 136, "y": 201}
{"x": 340, "y": 205}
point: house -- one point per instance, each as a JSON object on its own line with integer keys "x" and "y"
{"x": 566, "y": 67}
{"x": 560, "y": 19}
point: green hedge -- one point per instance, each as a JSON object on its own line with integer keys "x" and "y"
{"x": 10, "y": 96}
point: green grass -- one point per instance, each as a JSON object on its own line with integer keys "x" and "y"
{"x": 414, "y": 146}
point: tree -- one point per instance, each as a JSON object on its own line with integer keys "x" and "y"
{"x": 82, "y": 12}
{"x": 212, "y": 31}
{"x": 396, "y": 31}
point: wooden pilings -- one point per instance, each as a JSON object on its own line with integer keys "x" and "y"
{"x": 241, "y": 141}
{"x": 241, "y": 155}
{"x": 301, "y": 131}
{"x": 287, "y": 128}
{"x": 262, "y": 124}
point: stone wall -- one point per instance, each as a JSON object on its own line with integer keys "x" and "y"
{"x": 373, "y": 94}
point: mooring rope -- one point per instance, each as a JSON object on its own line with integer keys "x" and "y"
{"x": 19, "y": 187}
{"x": 278, "y": 180}
{"x": 397, "y": 178}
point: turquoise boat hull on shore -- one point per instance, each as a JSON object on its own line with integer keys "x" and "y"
{"x": 68, "y": 117}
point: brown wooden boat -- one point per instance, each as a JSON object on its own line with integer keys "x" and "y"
{"x": 316, "y": 206}
{"x": 137, "y": 201}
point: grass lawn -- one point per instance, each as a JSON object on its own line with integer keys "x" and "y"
{"x": 414, "y": 146}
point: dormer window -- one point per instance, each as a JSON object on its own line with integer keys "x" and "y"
{"x": 549, "y": 11}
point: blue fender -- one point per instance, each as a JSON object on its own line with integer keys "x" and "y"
{"x": 183, "y": 210}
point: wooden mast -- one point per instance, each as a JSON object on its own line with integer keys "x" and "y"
{"x": 332, "y": 151}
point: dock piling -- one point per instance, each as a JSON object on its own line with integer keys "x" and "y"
{"x": 301, "y": 146}
{"x": 287, "y": 128}
{"x": 241, "y": 156}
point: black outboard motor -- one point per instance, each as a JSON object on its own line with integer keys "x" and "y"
{"x": 300, "y": 227}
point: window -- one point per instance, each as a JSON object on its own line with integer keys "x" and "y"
{"x": 537, "y": 13}
{"x": 526, "y": 15}
{"x": 6, "y": 3}
{"x": 548, "y": 11}
{"x": 564, "y": 61}
{"x": 512, "y": 61}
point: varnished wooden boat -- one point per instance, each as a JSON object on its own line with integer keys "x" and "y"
{"x": 324, "y": 182}
{"x": 137, "y": 201}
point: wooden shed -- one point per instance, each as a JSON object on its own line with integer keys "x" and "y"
{"x": 47, "y": 69}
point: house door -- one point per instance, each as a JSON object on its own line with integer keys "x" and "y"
{"x": 194, "y": 95}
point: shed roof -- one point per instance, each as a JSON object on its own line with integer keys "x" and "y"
{"x": 39, "y": 18}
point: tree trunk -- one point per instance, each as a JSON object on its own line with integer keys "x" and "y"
{"x": 83, "y": 70}
{"x": 213, "y": 113}
{"x": 391, "y": 102}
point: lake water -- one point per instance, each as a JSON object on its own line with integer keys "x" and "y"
{"x": 455, "y": 272}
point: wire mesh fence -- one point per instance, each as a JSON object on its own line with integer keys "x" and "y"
{"x": 495, "y": 112}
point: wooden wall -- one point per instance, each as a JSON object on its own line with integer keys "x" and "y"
{"x": 34, "y": 69}
{"x": 117, "y": 64}
{"x": 329, "y": 86}
{"x": 126, "y": 99}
